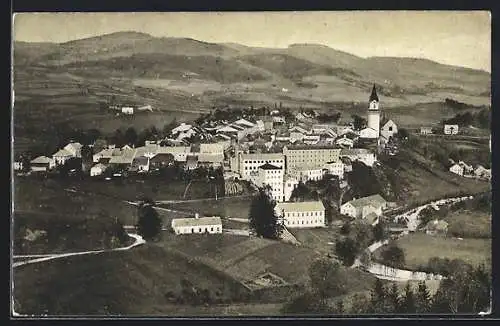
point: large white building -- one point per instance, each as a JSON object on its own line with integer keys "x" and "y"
{"x": 208, "y": 224}
{"x": 247, "y": 164}
{"x": 335, "y": 168}
{"x": 272, "y": 176}
{"x": 302, "y": 214}
{"x": 301, "y": 156}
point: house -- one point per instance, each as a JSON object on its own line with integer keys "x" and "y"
{"x": 389, "y": 129}
{"x": 299, "y": 129}
{"x": 311, "y": 139}
{"x": 344, "y": 142}
{"x": 278, "y": 120}
{"x": 42, "y": 164}
{"x": 18, "y": 165}
{"x": 341, "y": 130}
{"x": 272, "y": 176}
{"x": 75, "y": 149}
{"x": 450, "y": 129}
{"x": 97, "y": 169}
{"x": 426, "y": 130}
{"x": 368, "y": 133}
{"x": 161, "y": 160}
{"x": 140, "y": 164}
{"x": 191, "y": 162}
{"x": 105, "y": 155}
{"x": 183, "y": 127}
{"x": 207, "y": 225}
{"x": 213, "y": 148}
{"x": 214, "y": 160}
{"x": 308, "y": 174}
{"x": 61, "y": 156}
{"x": 124, "y": 160}
{"x": 335, "y": 168}
{"x": 468, "y": 169}
{"x": 457, "y": 169}
{"x": 247, "y": 164}
{"x": 482, "y": 172}
{"x": 436, "y": 227}
{"x": 360, "y": 208}
{"x": 180, "y": 153}
{"x": 244, "y": 122}
{"x": 127, "y": 110}
{"x": 307, "y": 214}
{"x": 359, "y": 154}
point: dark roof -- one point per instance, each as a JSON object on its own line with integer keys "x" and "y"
{"x": 268, "y": 166}
{"x": 374, "y": 96}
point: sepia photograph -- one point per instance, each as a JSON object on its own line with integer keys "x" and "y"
{"x": 251, "y": 164}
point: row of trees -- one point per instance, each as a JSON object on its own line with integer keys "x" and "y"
{"x": 480, "y": 119}
{"x": 467, "y": 290}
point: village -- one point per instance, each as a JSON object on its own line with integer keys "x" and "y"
{"x": 276, "y": 151}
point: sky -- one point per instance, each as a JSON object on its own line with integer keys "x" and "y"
{"x": 461, "y": 38}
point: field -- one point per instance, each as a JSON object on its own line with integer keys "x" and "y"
{"x": 419, "y": 247}
{"x": 225, "y": 207}
{"x": 469, "y": 224}
{"x": 317, "y": 239}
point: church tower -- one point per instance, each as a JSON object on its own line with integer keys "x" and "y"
{"x": 374, "y": 112}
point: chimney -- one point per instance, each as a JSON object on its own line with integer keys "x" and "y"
{"x": 196, "y": 215}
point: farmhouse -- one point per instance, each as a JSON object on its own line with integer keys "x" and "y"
{"x": 161, "y": 160}
{"x": 344, "y": 142}
{"x": 426, "y": 130}
{"x": 368, "y": 133}
{"x": 457, "y": 169}
{"x": 482, "y": 172}
{"x": 42, "y": 164}
{"x": 335, "y": 168}
{"x": 180, "y": 153}
{"x": 307, "y": 214}
{"x": 362, "y": 207}
{"x": 127, "y": 110}
{"x": 450, "y": 129}
{"x": 140, "y": 164}
{"x": 97, "y": 169}
{"x": 208, "y": 225}
{"x": 75, "y": 149}
{"x": 436, "y": 227}
{"x": 389, "y": 129}
{"x": 61, "y": 156}
{"x": 105, "y": 155}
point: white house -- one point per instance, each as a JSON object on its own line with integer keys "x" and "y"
{"x": 42, "y": 163}
{"x": 272, "y": 176}
{"x": 450, "y": 129}
{"x": 307, "y": 214}
{"x": 61, "y": 156}
{"x": 426, "y": 130}
{"x": 368, "y": 133}
{"x": 344, "y": 142}
{"x": 389, "y": 129}
{"x": 180, "y": 153}
{"x": 97, "y": 169}
{"x": 207, "y": 224}
{"x": 311, "y": 139}
{"x": 310, "y": 174}
{"x": 335, "y": 168}
{"x": 127, "y": 110}
{"x": 75, "y": 149}
{"x": 457, "y": 169}
{"x": 360, "y": 208}
{"x": 296, "y": 136}
{"x": 482, "y": 172}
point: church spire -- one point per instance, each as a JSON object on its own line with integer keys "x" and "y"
{"x": 374, "y": 96}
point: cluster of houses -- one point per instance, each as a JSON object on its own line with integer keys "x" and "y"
{"x": 465, "y": 170}
{"x": 129, "y": 109}
{"x": 267, "y": 151}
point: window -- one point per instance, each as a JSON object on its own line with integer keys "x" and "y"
{"x": 390, "y": 128}
{"x": 211, "y": 229}
{"x": 200, "y": 230}
{"x": 192, "y": 230}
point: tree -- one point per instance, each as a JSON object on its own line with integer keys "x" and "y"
{"x": 346, "y": 249}
{"x": 131, "y": 136}
{"x": 379, "y": 302}
{"x": 149, "y": 223}
{"x": 305, "y": 303}
{"x": 263, "y": 219}
{"x": 393, "y": 256}
{"x": 86, "y": 152}
{"x": 327, "y": 279}
{"x": 408, "y": 300}
{"x": 300, "y": 193}
{"x": 422, "y": 298}
{"x": 393, "y": 298}
{"x": 403, "y": 134}
{"x": 362, "y": 233}
{"x": 358, "y": 121}
{"x": 379, "y": 231}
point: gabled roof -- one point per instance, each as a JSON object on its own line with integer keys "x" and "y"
{"x": 62, "y": 153}
{"x": 190, "y": 221}
{"x": 100, "y": 166}
{"x": 374, "y": 200}
{"x": 268, "y": 166}
{"x": 41, "y": 160}
{"x": 304, "y": 206}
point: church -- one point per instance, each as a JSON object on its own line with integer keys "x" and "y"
{"x": 377, "y": 129}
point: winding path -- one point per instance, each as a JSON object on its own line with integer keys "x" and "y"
{"x": 138, "y": 241}
{"x": 400, "y": 275}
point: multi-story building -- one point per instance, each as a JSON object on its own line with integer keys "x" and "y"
{"x": 272, "y": 176}
{"x": 335, "y": 168}
{"x": 207, "y": 225}
{"x": 247, "y": 164}
{"x": 301, "y": 156}
{"x": 359, "y": 154}
{"x": 307, "y": 214}
{"x": 362, "y": 207}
